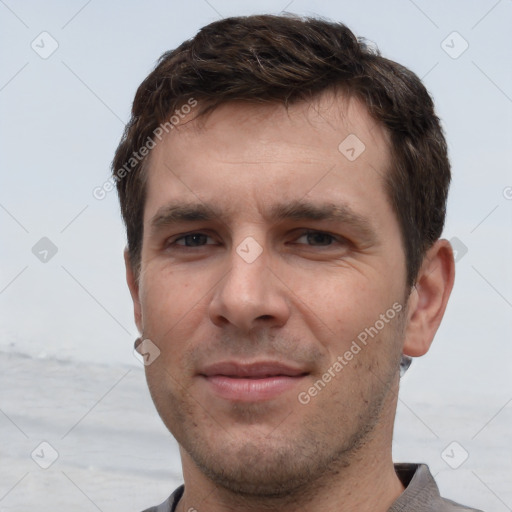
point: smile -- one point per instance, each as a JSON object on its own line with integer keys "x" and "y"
{"x": 254, "y": 382}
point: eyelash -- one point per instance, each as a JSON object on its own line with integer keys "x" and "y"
{"x": 183, "y": 237}
{"x": 322, "y": 233}
{"x": 333, "y": 238}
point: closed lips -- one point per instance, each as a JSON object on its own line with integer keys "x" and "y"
{"x": 260, "y": 370}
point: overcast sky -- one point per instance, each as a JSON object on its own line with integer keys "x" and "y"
{"x": 68, "y": 74}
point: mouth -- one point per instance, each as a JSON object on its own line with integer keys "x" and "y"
{"x": 254, "y": 382}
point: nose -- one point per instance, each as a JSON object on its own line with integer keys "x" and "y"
{"x": 250, "y": 295}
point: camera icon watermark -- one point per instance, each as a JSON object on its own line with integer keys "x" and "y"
{"x": 45, "y": 45}
{"x": 249, "y": 249}
{"x": 44, "y": 455}
{"x": 460, "y": 249}
{"x": 44, "y": 250}
{"x": 145, "y": 351}
{"x": 507, "y": 193}
{"x": 454, "y": 45}
{"x": 351, "y": 147}
{"x": 455, "y": 455}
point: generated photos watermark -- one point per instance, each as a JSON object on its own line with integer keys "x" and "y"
{"x": 101, "y": 191}
{"x": 305, "y": 397}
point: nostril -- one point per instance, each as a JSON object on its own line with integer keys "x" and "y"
{"x": 220, "y": 321}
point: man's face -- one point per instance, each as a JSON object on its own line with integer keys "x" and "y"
{"x": 267, "y": 251}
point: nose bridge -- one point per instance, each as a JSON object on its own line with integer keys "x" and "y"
{"x": 245, "y": 282}
{"x": 248, "y": 294}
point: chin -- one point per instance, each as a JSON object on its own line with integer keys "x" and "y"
{"x": 257, "y": 470}
{"x": 266, "y": 466}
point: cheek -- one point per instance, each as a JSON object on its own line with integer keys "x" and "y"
{"x": 342, "y": 303}
{"x": 169, "y": 299}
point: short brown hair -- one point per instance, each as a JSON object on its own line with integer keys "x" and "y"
{"x": 287, "y": 59}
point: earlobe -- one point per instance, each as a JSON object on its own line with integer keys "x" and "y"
{"x": 428, "y": 299}
{"x": 133, "y": 285}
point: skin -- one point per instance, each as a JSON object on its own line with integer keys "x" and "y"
{"x": 302, "y": 301}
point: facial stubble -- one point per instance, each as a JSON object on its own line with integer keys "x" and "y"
{"x": 287, "y": 459}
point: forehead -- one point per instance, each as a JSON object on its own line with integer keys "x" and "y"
{"x": 245, "y": 155}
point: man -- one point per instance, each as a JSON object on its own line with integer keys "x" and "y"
{"x": 284, "y": 191}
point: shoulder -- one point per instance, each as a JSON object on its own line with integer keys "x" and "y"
{"x": 451, "y": 506}
{"x": 169, "y": 505}
{"x": 421, "y": 493}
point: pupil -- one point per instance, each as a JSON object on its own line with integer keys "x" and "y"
{"x": 194, "y": 240}
{"x": 319, "y": 238}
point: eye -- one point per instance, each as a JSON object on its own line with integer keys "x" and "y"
{"x": 193, "y": 240}
{"x": 316, "y": 238}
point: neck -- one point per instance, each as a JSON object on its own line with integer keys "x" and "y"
{"x": 364, "y": 482}
{"x": 368, "y": 484}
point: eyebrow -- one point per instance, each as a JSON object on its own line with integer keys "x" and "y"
{"x": 183, "y": 212}
{"x": 301, "y": 210}
{"x": 295, "y": 211}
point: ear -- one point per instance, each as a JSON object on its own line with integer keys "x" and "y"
{"x": 428, "y": 299}
{"x": 133, "y": 285}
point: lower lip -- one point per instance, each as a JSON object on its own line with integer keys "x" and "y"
{"x": 251, "y": 390}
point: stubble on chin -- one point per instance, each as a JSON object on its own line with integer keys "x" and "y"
{"x": 279, "y": 465}
{"x": 286, "y": 457}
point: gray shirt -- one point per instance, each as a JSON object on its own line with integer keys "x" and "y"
{"x": 421, "y": 494}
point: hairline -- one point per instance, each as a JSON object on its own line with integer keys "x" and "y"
{"x": 209, "y": 106}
